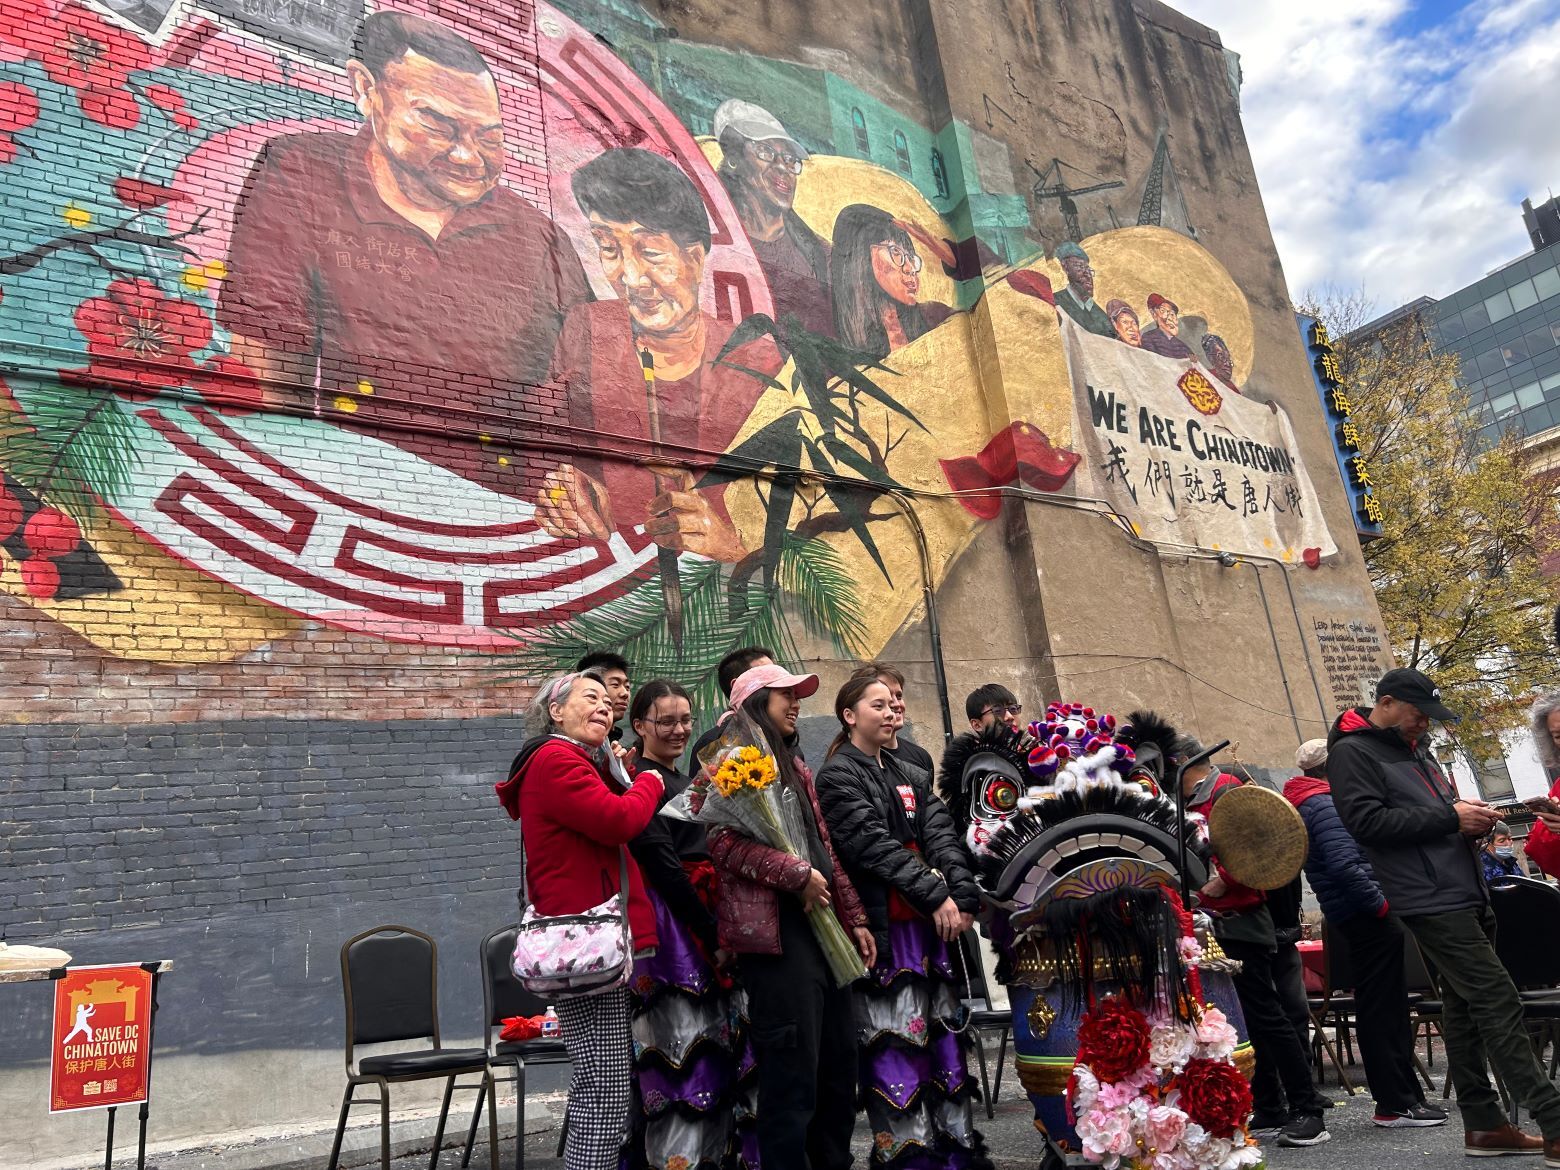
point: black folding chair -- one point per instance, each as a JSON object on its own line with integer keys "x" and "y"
{"x": 1424, "y": 999}
{"x": 984, "y": 1018}
{"x": 503, "y": 997}
{"x": 390, "y": 977}
{"x": 1527, "y": 923}
{"x": 1336, "y": 1001}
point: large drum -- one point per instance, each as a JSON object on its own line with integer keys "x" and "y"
{"x": 1045, "y": 1035}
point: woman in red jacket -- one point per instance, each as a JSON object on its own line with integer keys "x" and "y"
{"x": 1543, "y": 842}
{"x": 804, "y": 1036}
{"x": 578, "y": 810}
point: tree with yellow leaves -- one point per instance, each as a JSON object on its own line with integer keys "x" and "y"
{"x": 1458, "y": 566}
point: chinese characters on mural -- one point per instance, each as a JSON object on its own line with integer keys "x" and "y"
{"x": 487, "y": 340}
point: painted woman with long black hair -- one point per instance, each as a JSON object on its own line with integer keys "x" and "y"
{"x": 902, "y": 851}
{"x": 875, "y": 275}
{"x": 686, "y": 1034}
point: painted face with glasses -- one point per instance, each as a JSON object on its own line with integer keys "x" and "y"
{"x": 897, "y": 267}
{"x": 769, "y": 171}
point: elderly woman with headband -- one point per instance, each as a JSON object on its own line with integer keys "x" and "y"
{"x": 802, "y": 1027}
{"x": 1543, "y": 842}
{"x": 578, "y": 807}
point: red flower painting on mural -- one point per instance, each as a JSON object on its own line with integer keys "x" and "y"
{"x": 140, "y": 340}
{"x": 83, "y": 51}
{"x": 18, "y": 110}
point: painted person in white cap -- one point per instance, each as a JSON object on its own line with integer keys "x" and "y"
{"x": 760, "y": 164}
{"x": 1422, "y": 841}
{"x": 1358, "y": 917}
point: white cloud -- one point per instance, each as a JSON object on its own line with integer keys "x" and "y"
{"x": 1393, "y": 152}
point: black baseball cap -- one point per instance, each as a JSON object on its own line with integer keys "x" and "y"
{"x": 1415, "y": 688}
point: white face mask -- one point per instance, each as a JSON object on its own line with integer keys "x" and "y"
{"x": 1505, "y": 851}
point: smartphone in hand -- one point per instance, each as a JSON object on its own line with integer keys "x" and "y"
{"x": 1543, "y": 804}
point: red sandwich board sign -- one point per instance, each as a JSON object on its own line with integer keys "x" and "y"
{"x": 102, "y": 1041}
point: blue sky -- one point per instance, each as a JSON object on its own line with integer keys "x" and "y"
{"x": 1394, "y": 141}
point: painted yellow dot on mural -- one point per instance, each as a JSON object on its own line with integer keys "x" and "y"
{"x": 343, "y": 403}
{"x": 214, "y": 269}
{"x": 76, "y": 217}
{"x": 194, "y": 279}
{"x": 1289, "y": 554}
{"x": 364, "y": 386}
{"x": 556, "y": 494}
{"x": 484, "y": 438}
{"x": 1269, "y": 542}
{"x": 503, "y": 460}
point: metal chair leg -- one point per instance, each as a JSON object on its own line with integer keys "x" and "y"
{"x": 996, "y": 1084}
{"x": 384, "y": 1126}
{"x": 1319, "y": 1022}
{"x": 563, "y": 1132}
{"x": 341, "y": 1128}
{"x": 1424, "y": 1073}
{"x": 519, "y": 1114}
{"x": 489, "y": 1088}
{"x": 985, "y": 1084}
{"x": 471, "y": 1131}
{"x": 444, "y": 1112}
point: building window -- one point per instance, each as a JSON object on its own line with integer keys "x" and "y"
{"x": 1494, "y": 779}
{"x": 1499, "y": 306}
{"x": 858, "y": 122}
{"x": 901, "y": 152}
{"x": 939, "y": 173}
{"x": 1547, "y": 283}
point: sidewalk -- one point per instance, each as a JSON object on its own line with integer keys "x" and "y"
{"x": 1356, "y": 1144}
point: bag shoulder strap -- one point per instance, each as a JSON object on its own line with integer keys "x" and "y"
{"x": 525, "y": 897}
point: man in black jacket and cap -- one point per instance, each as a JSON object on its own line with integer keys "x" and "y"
{"x": 1422, "y": 841}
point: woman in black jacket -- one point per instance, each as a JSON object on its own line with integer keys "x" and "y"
{"x": 687, "y": 1052}
{"x": 899, "y": 845}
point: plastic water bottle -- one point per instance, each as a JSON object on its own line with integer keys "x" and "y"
{"x": 552, "y": 1026}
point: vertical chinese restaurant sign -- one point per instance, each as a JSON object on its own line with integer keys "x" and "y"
{"x": 102, "y": 1040}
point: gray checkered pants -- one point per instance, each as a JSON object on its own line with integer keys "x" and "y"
{"x": 596, "y": 1031}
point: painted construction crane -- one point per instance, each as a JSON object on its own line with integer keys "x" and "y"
{"x": 1052, "y": 184}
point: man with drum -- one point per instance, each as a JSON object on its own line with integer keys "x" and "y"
{"x": 1244, "y": 928}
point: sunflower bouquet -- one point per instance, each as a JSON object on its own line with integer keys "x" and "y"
{"x": 738, "y": 788}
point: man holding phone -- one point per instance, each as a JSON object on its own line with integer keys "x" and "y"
{"x": 1422, "y": 842}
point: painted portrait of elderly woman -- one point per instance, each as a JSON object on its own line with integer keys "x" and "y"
{"x": 653, "y": 346}
{"x": 875, "y": 272}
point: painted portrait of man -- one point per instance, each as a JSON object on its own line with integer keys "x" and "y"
{"x": 760, "y": 164}
{"x": 1076, "y": 298}
{"x": 1164, "y": 337}
{"x": 1124, "y": 319}
{"x": 654, "y": 342}
{"x": 391, "y": 266}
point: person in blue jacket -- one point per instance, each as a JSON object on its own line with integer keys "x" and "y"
{"x": 1357, "y": 912}
{"x": 1499, "y": 855}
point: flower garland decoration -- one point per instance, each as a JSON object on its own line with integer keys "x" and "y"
{"x": 1158, "y": 1092}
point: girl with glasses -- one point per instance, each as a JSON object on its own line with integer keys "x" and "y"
{"x": 686, "y": 1062}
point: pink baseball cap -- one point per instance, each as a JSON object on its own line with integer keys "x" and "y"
{"x": 775, "y": 677}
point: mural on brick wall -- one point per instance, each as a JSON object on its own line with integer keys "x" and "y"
{"x": 469, "y": 330}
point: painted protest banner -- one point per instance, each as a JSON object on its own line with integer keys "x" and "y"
{"x": 1186, "y": 459}
{"x": 102, "y": 1040}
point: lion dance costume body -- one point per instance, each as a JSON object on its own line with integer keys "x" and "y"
{"x": 1126, "y": 1028}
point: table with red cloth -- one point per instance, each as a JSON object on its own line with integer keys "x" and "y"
{"x": 1314, "y": 964}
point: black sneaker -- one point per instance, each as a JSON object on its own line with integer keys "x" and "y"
{"x": 1265, "y": 1125}
{"x": 1421, "y": 1115}
{"x": 1306, "y": 1130}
